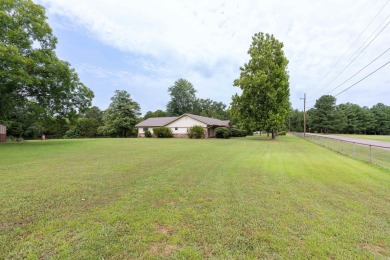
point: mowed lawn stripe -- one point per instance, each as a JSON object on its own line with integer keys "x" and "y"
{"x": 145, "y": 198}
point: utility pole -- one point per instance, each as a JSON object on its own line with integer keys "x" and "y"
{"x": 304, "y": 115}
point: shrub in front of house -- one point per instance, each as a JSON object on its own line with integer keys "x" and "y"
{"x": 235, "y": 132}
{"x": 148, "y": 133}
{"x": 196, "y": 132}
{"x": 162, "y": 132}
{"x": 222, "y": 132}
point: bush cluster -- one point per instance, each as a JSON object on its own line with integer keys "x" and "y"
{"x": 72, "y": 133}
{"x": 162, "y": 132}
{"x": 234, "y": 132}
{"x": 224, "y": 132}
{"x": 148, "y": 134}
{"x": 196, "y": 131}
{"x": 14, "y": 139}
{"x": 282, "y": 133}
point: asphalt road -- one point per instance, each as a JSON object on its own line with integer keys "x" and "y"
{"x": 357, "y": 140}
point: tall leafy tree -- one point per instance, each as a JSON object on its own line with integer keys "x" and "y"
{"x": 121, "y": 116}
{"x": 93, "y": 113}
{"x": 368, "y": 120}
{"x": 157, "y": 113}
{"x": 183, "y": 99}
{"x": 355, "y": 118}
{"x": 210, "y": 108}
{"x": 88, "y": 127}
{"x": 296, "y": 120}
{"x": 25, "y": 120}
{"x": 340, "y": 120}
{"x": 29, "y": 68}
{"x": 322, "y": 118}
{"x": 264, "y": 102}
{"x": 381, "y": 119}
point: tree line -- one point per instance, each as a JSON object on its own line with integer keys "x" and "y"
{"x": 41, "y": 94}
{"x": 327, "y": 117}
{"x": 30, "y": 120}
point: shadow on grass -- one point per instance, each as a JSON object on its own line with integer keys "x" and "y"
{"x": 48, "y": 142}
{"x": 261, "y": 138}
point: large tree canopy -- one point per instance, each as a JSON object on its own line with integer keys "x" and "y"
{"x": 29, "y": 68}
{"x": 210, "y": 108}
{"x": 323, "y": 115}
{"x": 121, "y": 116}
{"x": 264, "y": 102}
{"x": 183, "y": 99}
{"x": 157, "y": 113}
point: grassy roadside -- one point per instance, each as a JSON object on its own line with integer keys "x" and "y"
{"x": 181, "y": 198}
{"x": 382, "y": 138}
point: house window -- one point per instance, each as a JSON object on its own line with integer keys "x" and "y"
{"x": 146, "y": 129}
{"x": 176, "y": 128}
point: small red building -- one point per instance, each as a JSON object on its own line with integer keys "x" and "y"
{"x": 3, "y": 133}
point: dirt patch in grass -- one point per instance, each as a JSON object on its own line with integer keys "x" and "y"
{"x": 165, "y": 230}
{"x": 186, "y": 181}
{"x": 375, "y": 249}
{"x": 12, "y": 221}
{"x": 162, "y": 249}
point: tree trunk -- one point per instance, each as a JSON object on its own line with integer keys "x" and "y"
{"x": 273, "y": 134}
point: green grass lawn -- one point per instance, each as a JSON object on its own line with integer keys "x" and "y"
{"x": 181, "y": 198}
{"x": 382, "y": 138}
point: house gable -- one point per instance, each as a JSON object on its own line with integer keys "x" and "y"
{"x": 185, "y": 121}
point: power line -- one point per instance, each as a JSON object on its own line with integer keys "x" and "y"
{"x": 363, "y": 78}
{"x": 357, "y": 38}
{"x": 360, "y": 52}
{"x": 359, "y": 71}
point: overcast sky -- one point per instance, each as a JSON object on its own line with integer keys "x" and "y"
{"x": 143, "y": 47}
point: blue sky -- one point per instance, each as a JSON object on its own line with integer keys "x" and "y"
{"x": 143, "y": 47}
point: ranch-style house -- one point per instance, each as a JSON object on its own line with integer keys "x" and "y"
{"x": 180, "y": 124}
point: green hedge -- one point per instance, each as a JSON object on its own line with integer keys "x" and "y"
{"x": 225, "y": 132}
{"x": 235, "y": 132}
{"x": 222, "y": 132}
{"x": 162, "y": 132}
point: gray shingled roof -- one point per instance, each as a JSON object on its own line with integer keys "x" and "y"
{"x": 156, "y": 121}
{"x": 210, "y": 121}
{"x": 162, "y": 121}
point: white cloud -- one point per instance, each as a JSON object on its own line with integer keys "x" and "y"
{"x": 188, "y": 38}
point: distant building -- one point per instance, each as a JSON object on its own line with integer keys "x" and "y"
{"x": 3, "y": 133}
{"x": 179, "y": 125}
